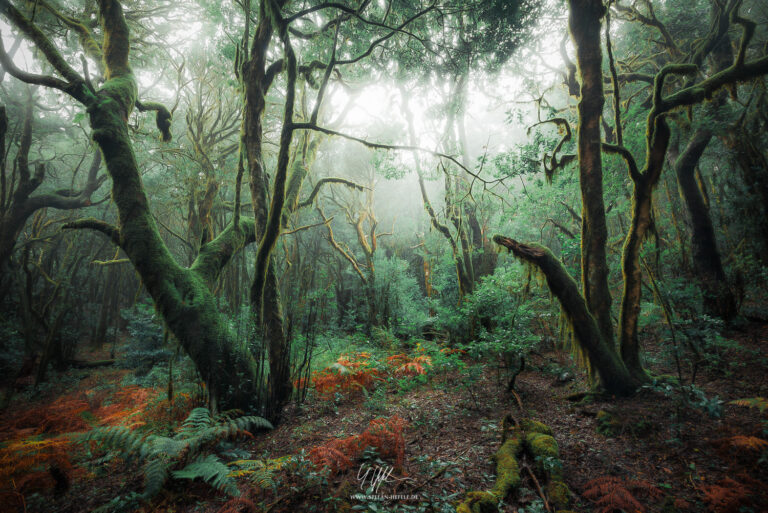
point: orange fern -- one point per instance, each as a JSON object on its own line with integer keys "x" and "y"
{"x": 405, "y": 366}
{"x": 328, "y": 456}
{"x": 385, "y": 435}
{"x": 743, "y": 443}
{"x": 611, "y": 493}
{"x": 351, "y": 373}
{"x": 727, "y": 496}
{"x": 28, "y": 465}
{"x": 761, "y": 403}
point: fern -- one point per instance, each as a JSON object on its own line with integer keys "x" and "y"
{"x": 727, "y": 496}
{"x": 210, "y": 469}
{"x": 761, "y": 403}
{"x": 743, "y": 443}
{"x": 260, "y": 472}
{"x": 611, "y": 493}
{"x": 186, "y": 455}
{"x": 155, "y": 476}
{"x": 385, "y": 435}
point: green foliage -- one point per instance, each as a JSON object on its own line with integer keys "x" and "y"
{"x": 689, "y": 396}
{"x": 501, "y": 311}
{"x": 145, "y": 348}
{"x": 12, "y": 354}
{"x": 187, "y": 455}
{"x": 399, "y": 299}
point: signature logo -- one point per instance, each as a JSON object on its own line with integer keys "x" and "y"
{"x": 371, "y": 477}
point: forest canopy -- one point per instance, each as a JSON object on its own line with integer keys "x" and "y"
{"x": 253, "y": 214}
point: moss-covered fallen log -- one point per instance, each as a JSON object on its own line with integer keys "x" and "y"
{"x": 518, "y": 438}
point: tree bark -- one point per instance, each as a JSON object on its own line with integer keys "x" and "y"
{"x": 584, "y": 23}
{"x": 181, "y": 295}
{"x": 602, "y": 357}
{"x": 719, "y": 301}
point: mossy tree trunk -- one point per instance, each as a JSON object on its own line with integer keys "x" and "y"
{"x": 657, "y": 142}
{"x": 257, "y": 78}
{"x": 584, "y": 23}
{"x": 182, "y": 295}
{"x": 642, "y": 203}
{"x": 602, "y": 357}
{"x": 718, "y": 298}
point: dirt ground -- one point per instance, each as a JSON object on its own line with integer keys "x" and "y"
{"x": 670, "y": 454}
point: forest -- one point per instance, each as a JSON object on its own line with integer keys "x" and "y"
{"x": 429, "y": 256}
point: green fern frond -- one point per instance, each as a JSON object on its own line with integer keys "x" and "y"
{"x": 210, "y": 469}
{"x": 171, "y": 448}
{"x": 155, "y": 476}
{"x": 198, "y": 419}
{"x": 251, "y": 422}
{"x": 264, "y": 479}
{"x": 120, "y": 439}
{"x": 194, "y": 442}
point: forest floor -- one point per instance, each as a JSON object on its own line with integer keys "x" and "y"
{"x": 668, "y": 449}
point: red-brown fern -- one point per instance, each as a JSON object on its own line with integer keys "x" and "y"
{"x": 742, "y": 443}
{"x": 727, "y": 496}
{"x": 405, "y": 366}
{"x": 238, "y": 505}
{"x": 30, "y": 465}
{"x": 35, "y": 453}
{"x": 385, "y": 435}
{"x": 611, "y": 493}
{"x": 351, "y": 373}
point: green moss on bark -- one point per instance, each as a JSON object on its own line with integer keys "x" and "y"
{"x": 507, "y": 468}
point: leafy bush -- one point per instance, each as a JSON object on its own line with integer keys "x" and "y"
{"x": 399, "y": 299}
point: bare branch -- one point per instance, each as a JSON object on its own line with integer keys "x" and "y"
{"x": 325, "y": 181}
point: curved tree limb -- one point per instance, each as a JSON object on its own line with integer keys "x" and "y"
{"x": 323, "y": 181}
{"x": 163, "y": 117}
{"x": 98, "y": 225}
{"x": 602, "y": 357}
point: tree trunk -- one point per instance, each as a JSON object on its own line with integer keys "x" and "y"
{"x": 719, "y": 301}
{"x": 264, "y": 295}
{"x": 601, "y": 355}
{"x": 584, "y": 23}
{"x": 642, "y": 203}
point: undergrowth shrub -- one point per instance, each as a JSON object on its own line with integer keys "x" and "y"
{"x": 350, "y": 374}
{"x": 189, "y": 454}
{"x": 384, "y": 435}
{"x": 744, "y": 493}
{"x": 400, "y": 303}
{"x": 610, "y": 493}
